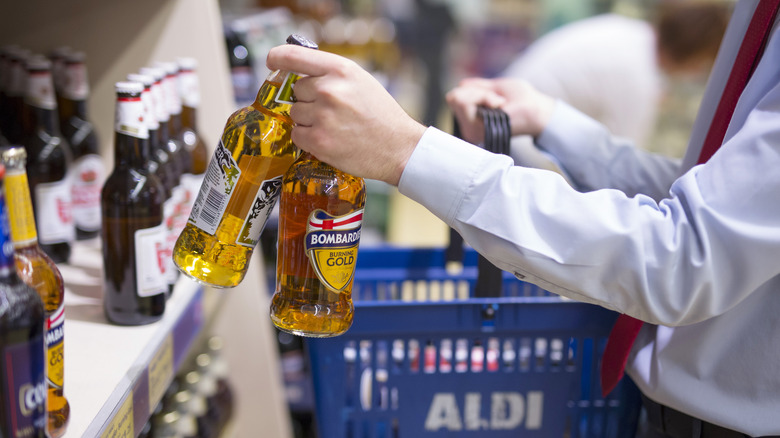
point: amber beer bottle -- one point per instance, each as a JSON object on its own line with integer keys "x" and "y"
{"x": 49, "y": 157}
{"x": 38, "y": 271}
{"x": 88, "y": 171}
{"x": 320, "y": 219}
{"x": 241, "y": 185}
{"x": 22, "y": 323}
{"x": 133, "y": 234}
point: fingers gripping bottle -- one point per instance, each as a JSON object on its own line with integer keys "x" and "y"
{"x": 320, "y": 219}
{"x": 241, "y": 185}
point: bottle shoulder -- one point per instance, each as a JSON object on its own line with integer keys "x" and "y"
{"x": 132, "y": 184}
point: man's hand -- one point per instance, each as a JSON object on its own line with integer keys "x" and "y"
{"x": 345, "y": 117}
{"x": 529, "y": 110}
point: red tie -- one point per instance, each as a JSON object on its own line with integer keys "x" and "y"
{"x": 626, "y": 328}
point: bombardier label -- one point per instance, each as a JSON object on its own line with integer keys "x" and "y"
{"x": 332, "y": 245}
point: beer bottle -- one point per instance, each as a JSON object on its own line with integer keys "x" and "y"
{"x": 88, "y": 171}
{"x": 22, "y": 324}
{"x": 49, "y": 158}
{"x": 15, "y": 83}
{"x": 320, "y": 218}
{"x": 38, "y": 271}
{"x": 132, "y": 232}
{"x": 241, "y": 185}
{"x": 195, "y": 148}
{"x": 167, "y": 168}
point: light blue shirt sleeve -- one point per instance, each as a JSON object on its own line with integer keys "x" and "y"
{"x": 691, "y": 256}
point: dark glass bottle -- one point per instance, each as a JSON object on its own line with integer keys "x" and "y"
{"x": 38, "y": 271}
{"x": 22, "y": 324}
{"x": 15, "y": 80}
{"x": 132, "y": 216}
{"x": 88, "y": 171}
{"x": 49, "y": 158}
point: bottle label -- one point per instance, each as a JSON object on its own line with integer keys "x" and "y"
{"x": 130, "y": 117}
{"x": 88, "y": 176}
{"x": 151, "y": 256}
{"x": 257, "y": 216}
{"x": 285, "y": 93}
{"x": 54, "y": 212}
{"x": 170, "y": 210}
{"x": 332, "y": 245}
{"x": 75, "y": 85}
{"x": 55, "y": 347}
{"x": 25, "y": 401}
{"x": 20, "y": 211}
{"x": 189, "y": 88}
{"x": 218, "y": 183}
{"x": 40, "y": 90}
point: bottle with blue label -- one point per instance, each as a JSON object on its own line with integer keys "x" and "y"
{"x": 320, "y": 220}
{"x": 22, "y": 365}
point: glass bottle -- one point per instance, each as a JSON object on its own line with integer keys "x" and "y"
{"x": 22, "y": 350}
{"x": 38, "y": 271}
{"x": 241, "y": 185}
{"x": 88, "y": 171}
{"x": 320, "y": 219}
{"x": 132, "y": 231}
{"x": 195, "y": 148}
{"x": 49, "y": 158}
{"x": 15, "y": 83}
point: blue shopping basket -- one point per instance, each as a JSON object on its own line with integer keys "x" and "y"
{"x": 422, "y": 358}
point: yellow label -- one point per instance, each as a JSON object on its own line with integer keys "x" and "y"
{"x": 161, "y": 371}
{"x": 335, "y": 266}
{"x": 20, "y": 211}
{"x": 332, "y": 246}
{"x": 121, "y": 426}
{"x": 56, "y": 372}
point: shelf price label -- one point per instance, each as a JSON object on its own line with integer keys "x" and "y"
{"x": 121, "y": 426}
{"x": 161, "y": 371}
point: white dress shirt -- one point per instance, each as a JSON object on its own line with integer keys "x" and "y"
{"x": 694, "y": 249}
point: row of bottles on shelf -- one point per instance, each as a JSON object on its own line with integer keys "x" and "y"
{"x": 159, "y": 163}
{"x": 199, "y": 402}
{"x": 43, "y": 107}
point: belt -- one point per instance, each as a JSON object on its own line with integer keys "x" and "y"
{"x": 676, "y": 424}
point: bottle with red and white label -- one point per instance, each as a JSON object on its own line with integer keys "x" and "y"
{"x": 22, "y": 363}
{"x": 38, "y": 271}
{"x": 49, "y": 159}
{"x": 88, "y": 171}
{"x": 133, "y": 232}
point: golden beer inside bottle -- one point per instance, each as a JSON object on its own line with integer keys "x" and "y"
{"x": 302, "y": 304}
{"x": 258, "y": 139}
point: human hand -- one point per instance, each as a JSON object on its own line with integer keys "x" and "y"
{"x": 344, "y": 116}
{"x": 529, "y": 110}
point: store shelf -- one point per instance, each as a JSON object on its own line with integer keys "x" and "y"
{"x": 114, "y": 375}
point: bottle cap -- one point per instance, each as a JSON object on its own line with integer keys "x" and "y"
{"x": 170, "y": 68}
{"x": 302, "y": 41}
{"x": 187, "y": 63}
{"x": 38, "y": 62}
{"x": 129, "y": 87}
{"x": 146, "y": 80}
{"x": 156, "y": 73}
{"x": 75, "y": 57}
{"x": 14, "y": 156}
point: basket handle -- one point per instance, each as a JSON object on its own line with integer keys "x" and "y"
{"x": 497, "y": 140}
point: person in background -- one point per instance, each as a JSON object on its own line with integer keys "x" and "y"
{"x": 690, "y": 249}
{"x": 643, "y": 79}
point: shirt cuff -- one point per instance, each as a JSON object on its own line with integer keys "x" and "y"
{"x": 440, "y": 171}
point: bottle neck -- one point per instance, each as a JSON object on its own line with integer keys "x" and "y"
{"x": 276, "y": 94}
{"x": 72, "y": 108}
{"x": 189, "y": 118}
{"x": 174, "y": 126}
{"x": 42, "y": 119}
{"x": 131, "y": 140}
{"x": 20, "y": 210}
